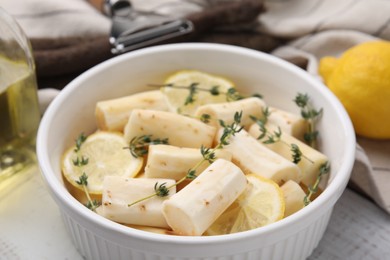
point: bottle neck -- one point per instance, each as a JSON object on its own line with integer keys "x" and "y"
{"x": 14, "y": 44}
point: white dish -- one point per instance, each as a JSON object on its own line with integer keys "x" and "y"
{"x": 72, "y": 112}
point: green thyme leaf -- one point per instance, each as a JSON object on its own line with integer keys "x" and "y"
{"x": 205, "y": 118}
{"x": 208, "y": 154}
{"x": 79, "y": 141}
{"x": 296, "y": 153}
{"x": 215, "y": 91}
{"x": 191, "y": 96}
{"x": 161, "y": 190}
{"x": 191, "y": 174}
{"x": 139, "y": 144}
{"x": 311, "y": 115}
{"x": 83, "y": 180}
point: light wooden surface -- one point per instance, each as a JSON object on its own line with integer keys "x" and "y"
{"x": 31, "y": 227}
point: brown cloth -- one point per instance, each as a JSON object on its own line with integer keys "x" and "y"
{"x": 59, "y": 60}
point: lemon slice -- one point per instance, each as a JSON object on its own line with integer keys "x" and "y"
{"x": 106, "y": 156}
{"x": 176, "y": 97}
{"x": 261, "y": 203}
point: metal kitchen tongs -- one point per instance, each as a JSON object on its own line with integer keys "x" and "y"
{"x": 132, "y": 30}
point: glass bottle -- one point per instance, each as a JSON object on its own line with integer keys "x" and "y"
{"x": 19, "y": 109}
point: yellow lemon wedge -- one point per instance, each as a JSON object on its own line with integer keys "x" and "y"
{"x": 106, "y": 155}
{"x": 177, "y": 96}
{"x": 360, "y": 78}
{"x": 261, "y": 203}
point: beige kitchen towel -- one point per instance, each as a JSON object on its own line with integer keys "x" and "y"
{"x": 319, "y": 28}
{"x": 57, "y": 18}
{"x": 297, "y": 18}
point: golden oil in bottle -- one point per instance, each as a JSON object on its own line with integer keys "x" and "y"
{"x": 19, "y": 117}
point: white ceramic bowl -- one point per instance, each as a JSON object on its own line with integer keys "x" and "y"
{"x": 72, "y": 112}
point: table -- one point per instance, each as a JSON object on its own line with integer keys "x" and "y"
{"x": 31, "y": 227}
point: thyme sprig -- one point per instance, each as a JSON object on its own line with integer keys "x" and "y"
{"x": 230, "y": 130}
{"x": 324, "y": 169}
{"x": 160, "y": 190}
{"x": 276, "y": 136}
{"x": 311, "y": 115}
{"x": 79, "y": 162}
{"x": 208, "y": 155}
{"x": 261, "y": 122}
{"x": 139, "y": 144}
{"x": 231, "y": 94}
{"x": 273, "y": 137}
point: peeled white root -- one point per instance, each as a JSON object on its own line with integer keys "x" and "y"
{"x": 311, "y": 159}
{"x": 293, "y": 197}
{"x": 113, "y": 114}
{"x": 194, "y": 208}
{"x": 180, "y": 130}
{"x": 253, "y": 157}
{"x": 290, "y": 123}
{"x": 225, "y": 111}
{"x": 172, "y": 162}
{"x": 120, "y": 192}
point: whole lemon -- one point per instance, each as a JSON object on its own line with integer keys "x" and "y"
{"x": 360, "y": 78}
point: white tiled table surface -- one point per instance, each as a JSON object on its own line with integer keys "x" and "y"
{"x": 31, "y": 227}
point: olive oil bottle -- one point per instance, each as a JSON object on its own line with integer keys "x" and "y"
{"x": 19, "y": 110}
{"x": 19, "y": 117}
